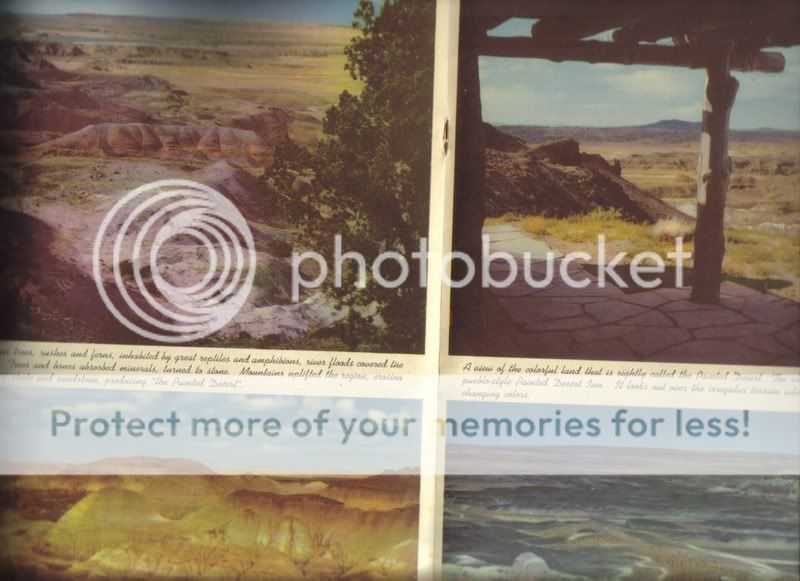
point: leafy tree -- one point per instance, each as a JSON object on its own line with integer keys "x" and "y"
{"x": 369, "y": 178}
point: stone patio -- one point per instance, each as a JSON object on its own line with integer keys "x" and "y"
{"x": 559, "y": 321}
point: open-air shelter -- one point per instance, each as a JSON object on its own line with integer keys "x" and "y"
{"x": 720, "y": 36}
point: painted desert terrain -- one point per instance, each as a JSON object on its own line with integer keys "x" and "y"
{"x": 94, "y": 106}
{"x": 196, "y": 526}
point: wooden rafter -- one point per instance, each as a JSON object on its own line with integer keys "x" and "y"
{"x": 497, "y": 11}
{"x": 608, "y": 52}
{"x": 572, "y": 28}
{"x": 768, "y": 30}
{"x": 655, "y": 29}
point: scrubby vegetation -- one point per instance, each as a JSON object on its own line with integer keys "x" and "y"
{"x": 763, "y": 260}
{"x": 368, "y": 181}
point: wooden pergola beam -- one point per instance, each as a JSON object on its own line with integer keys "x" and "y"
{"x": 498, "y": 11}
{"x": 607, "y": 52}
{"x": 572, "y": 28}
{"x": 656, "y": 29}
{"x": 773, "y": 30}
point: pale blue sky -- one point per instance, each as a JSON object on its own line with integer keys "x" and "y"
{"x": 26, "y": 435}
{"x": 519, "y": 91}
{"x": 540, "y": 92}
{"x": 313, "y": 11}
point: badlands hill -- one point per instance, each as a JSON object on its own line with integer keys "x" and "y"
{"x": 558, "y": 180}
{"x": 243, "y": 527}
{"x": 27, "y": 245}
{"x": 182, "y": 142}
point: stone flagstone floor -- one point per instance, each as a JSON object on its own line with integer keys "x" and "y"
{"x": 747, "y": 327}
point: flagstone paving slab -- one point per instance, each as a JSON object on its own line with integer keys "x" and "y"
{"x": 707, "y": 318}
{"x": 559, "y": 321}
{"x": 732, "y": 331}
{"x": 562, "y": 324}
{"x": 673, "y": 294}
{"x": 612, "y": 348}
{"x": 777, "y": 313}
{"x": 612, "y": 311}
{"x": 645, "y": 299}
{"x": 649, "y": 319}
{"x": 645, "y": 341}
{"x": 683, "y": 305}
{"x": 705, "y": 350}
{"x": 790, "y": 338}
{"x": 601, "y": 333}
{"x": 528, "y": 310}
{"x": 765, "y": 343}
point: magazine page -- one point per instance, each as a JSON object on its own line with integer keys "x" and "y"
{"x": 400, "y": 289}
{"x": 215, "y": 239}
{"x": 619, "y": 394}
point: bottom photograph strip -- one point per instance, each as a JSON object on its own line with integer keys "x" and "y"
{"x": 536, "y": 491}
{"x": 151, "y": 485}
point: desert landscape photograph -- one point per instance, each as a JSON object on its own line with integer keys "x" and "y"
{"x": 621, "y": 527}
{"x": 641, "y": 128}
{"x": 186, "y": 500}
{"x": 527, "y": 498}
{"x": 255, "y": 100}
{"x": 205, "y": 526}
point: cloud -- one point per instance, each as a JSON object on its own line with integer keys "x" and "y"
{"x": 346, "y": 406}
{"x": 93, "y": 408}
{"x": 658, "y": 83}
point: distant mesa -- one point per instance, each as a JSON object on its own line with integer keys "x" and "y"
{"x": 144, "y": 465}
{"x": 674, "y": 125}
{"x": 664, "y": 131}
{"x": 135, "y": 465}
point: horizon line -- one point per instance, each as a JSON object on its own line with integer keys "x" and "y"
{"x": 636, "y": 126}
{"x": 209, "y": 18}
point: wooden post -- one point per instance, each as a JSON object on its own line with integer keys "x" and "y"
{"x": 466, "y": 330}
{"x": 713, "y": 174}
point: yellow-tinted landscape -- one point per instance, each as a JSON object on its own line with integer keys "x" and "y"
{"x": 197, "y": 526}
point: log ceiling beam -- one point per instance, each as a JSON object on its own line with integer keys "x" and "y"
{"x": 592, "y": 51}
{"x": 773, "y": 29}
{"x": 653, "y": 30}
{"x": 498, "y": 11}
{"x": 574, "y": 28}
